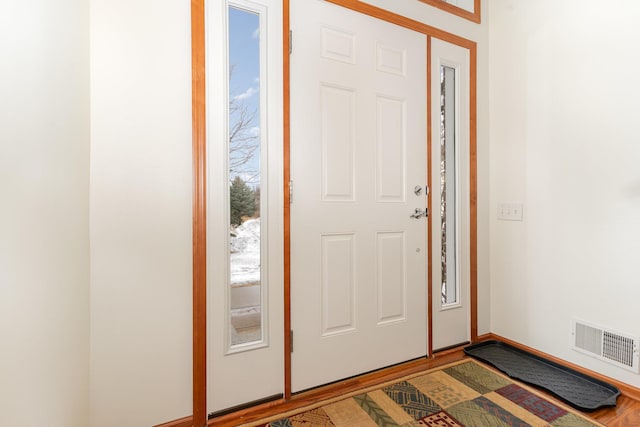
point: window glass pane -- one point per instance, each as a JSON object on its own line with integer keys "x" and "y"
{"x": 448, "y": 184}
{"x": 246, "y": 311}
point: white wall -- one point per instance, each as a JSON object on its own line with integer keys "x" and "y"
{"x": 564, "y": 141}
{"x": 140, "y": 212}
{"x": 479, "y": 33}
{"x": 44, "y": 213}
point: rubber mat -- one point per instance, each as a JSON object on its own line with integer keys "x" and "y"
{"x": 575, "y": 388}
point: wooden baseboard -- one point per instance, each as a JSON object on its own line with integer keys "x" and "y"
{"x": 627, "y": 390}
{"x": 484, "y": 337}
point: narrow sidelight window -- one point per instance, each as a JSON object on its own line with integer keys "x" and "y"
{"x": 246, "y": 206}
{"x": 448, "y": 185}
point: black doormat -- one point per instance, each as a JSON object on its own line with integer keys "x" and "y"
{"x": 575, "y": 388}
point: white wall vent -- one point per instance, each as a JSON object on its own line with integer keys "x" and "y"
{"x": 619, "y": 349}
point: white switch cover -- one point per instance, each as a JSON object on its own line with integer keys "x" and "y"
{"x": 510, "y": 211}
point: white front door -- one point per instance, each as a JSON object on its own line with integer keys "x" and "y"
{"x": 450, "y": 194}
{"x": 358, "y": 166}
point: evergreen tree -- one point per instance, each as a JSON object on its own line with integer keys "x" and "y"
{"x": 256, "y": 193}
{"x": 242, "y": 200}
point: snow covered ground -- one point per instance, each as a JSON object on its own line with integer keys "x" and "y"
{"x": 245, "y": 253}
{"x": 244, "y": 247}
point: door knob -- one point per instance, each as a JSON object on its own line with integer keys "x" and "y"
{"x": 419, "y": 213}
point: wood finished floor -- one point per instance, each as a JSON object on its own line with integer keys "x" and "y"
{"x": 625, "y": 414}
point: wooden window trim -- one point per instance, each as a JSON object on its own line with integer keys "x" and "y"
{"x": 199, "y": 203}
{"x": 458, "y": 11}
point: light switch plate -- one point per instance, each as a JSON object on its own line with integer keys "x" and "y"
{"x": 510, "y": 211}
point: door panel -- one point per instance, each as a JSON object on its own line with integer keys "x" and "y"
{"x": 236, "y": 304}
{"x": 338, "y": 283}
{"x": 358, "y": 148}
{"x": 450, "y": 194}
{"x": 337, "y": 109}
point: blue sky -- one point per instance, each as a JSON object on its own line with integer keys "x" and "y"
{"x": 244, "y": 57}
{"x": 244, "y": 52}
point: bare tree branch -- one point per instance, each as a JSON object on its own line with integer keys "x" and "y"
{"x": 244, "y": 137}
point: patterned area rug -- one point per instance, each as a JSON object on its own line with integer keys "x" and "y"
{"x": 464, "y": 394}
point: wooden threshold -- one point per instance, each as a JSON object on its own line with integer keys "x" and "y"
{"x": 182, "y": 422}
{"x": 450, "y": 348}
{"x": 256, "y": 403}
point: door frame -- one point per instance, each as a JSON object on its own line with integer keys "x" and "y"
{"x": 199, "y": 205}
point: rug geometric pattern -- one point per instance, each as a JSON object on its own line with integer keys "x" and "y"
{"x": 463, "y": 394}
